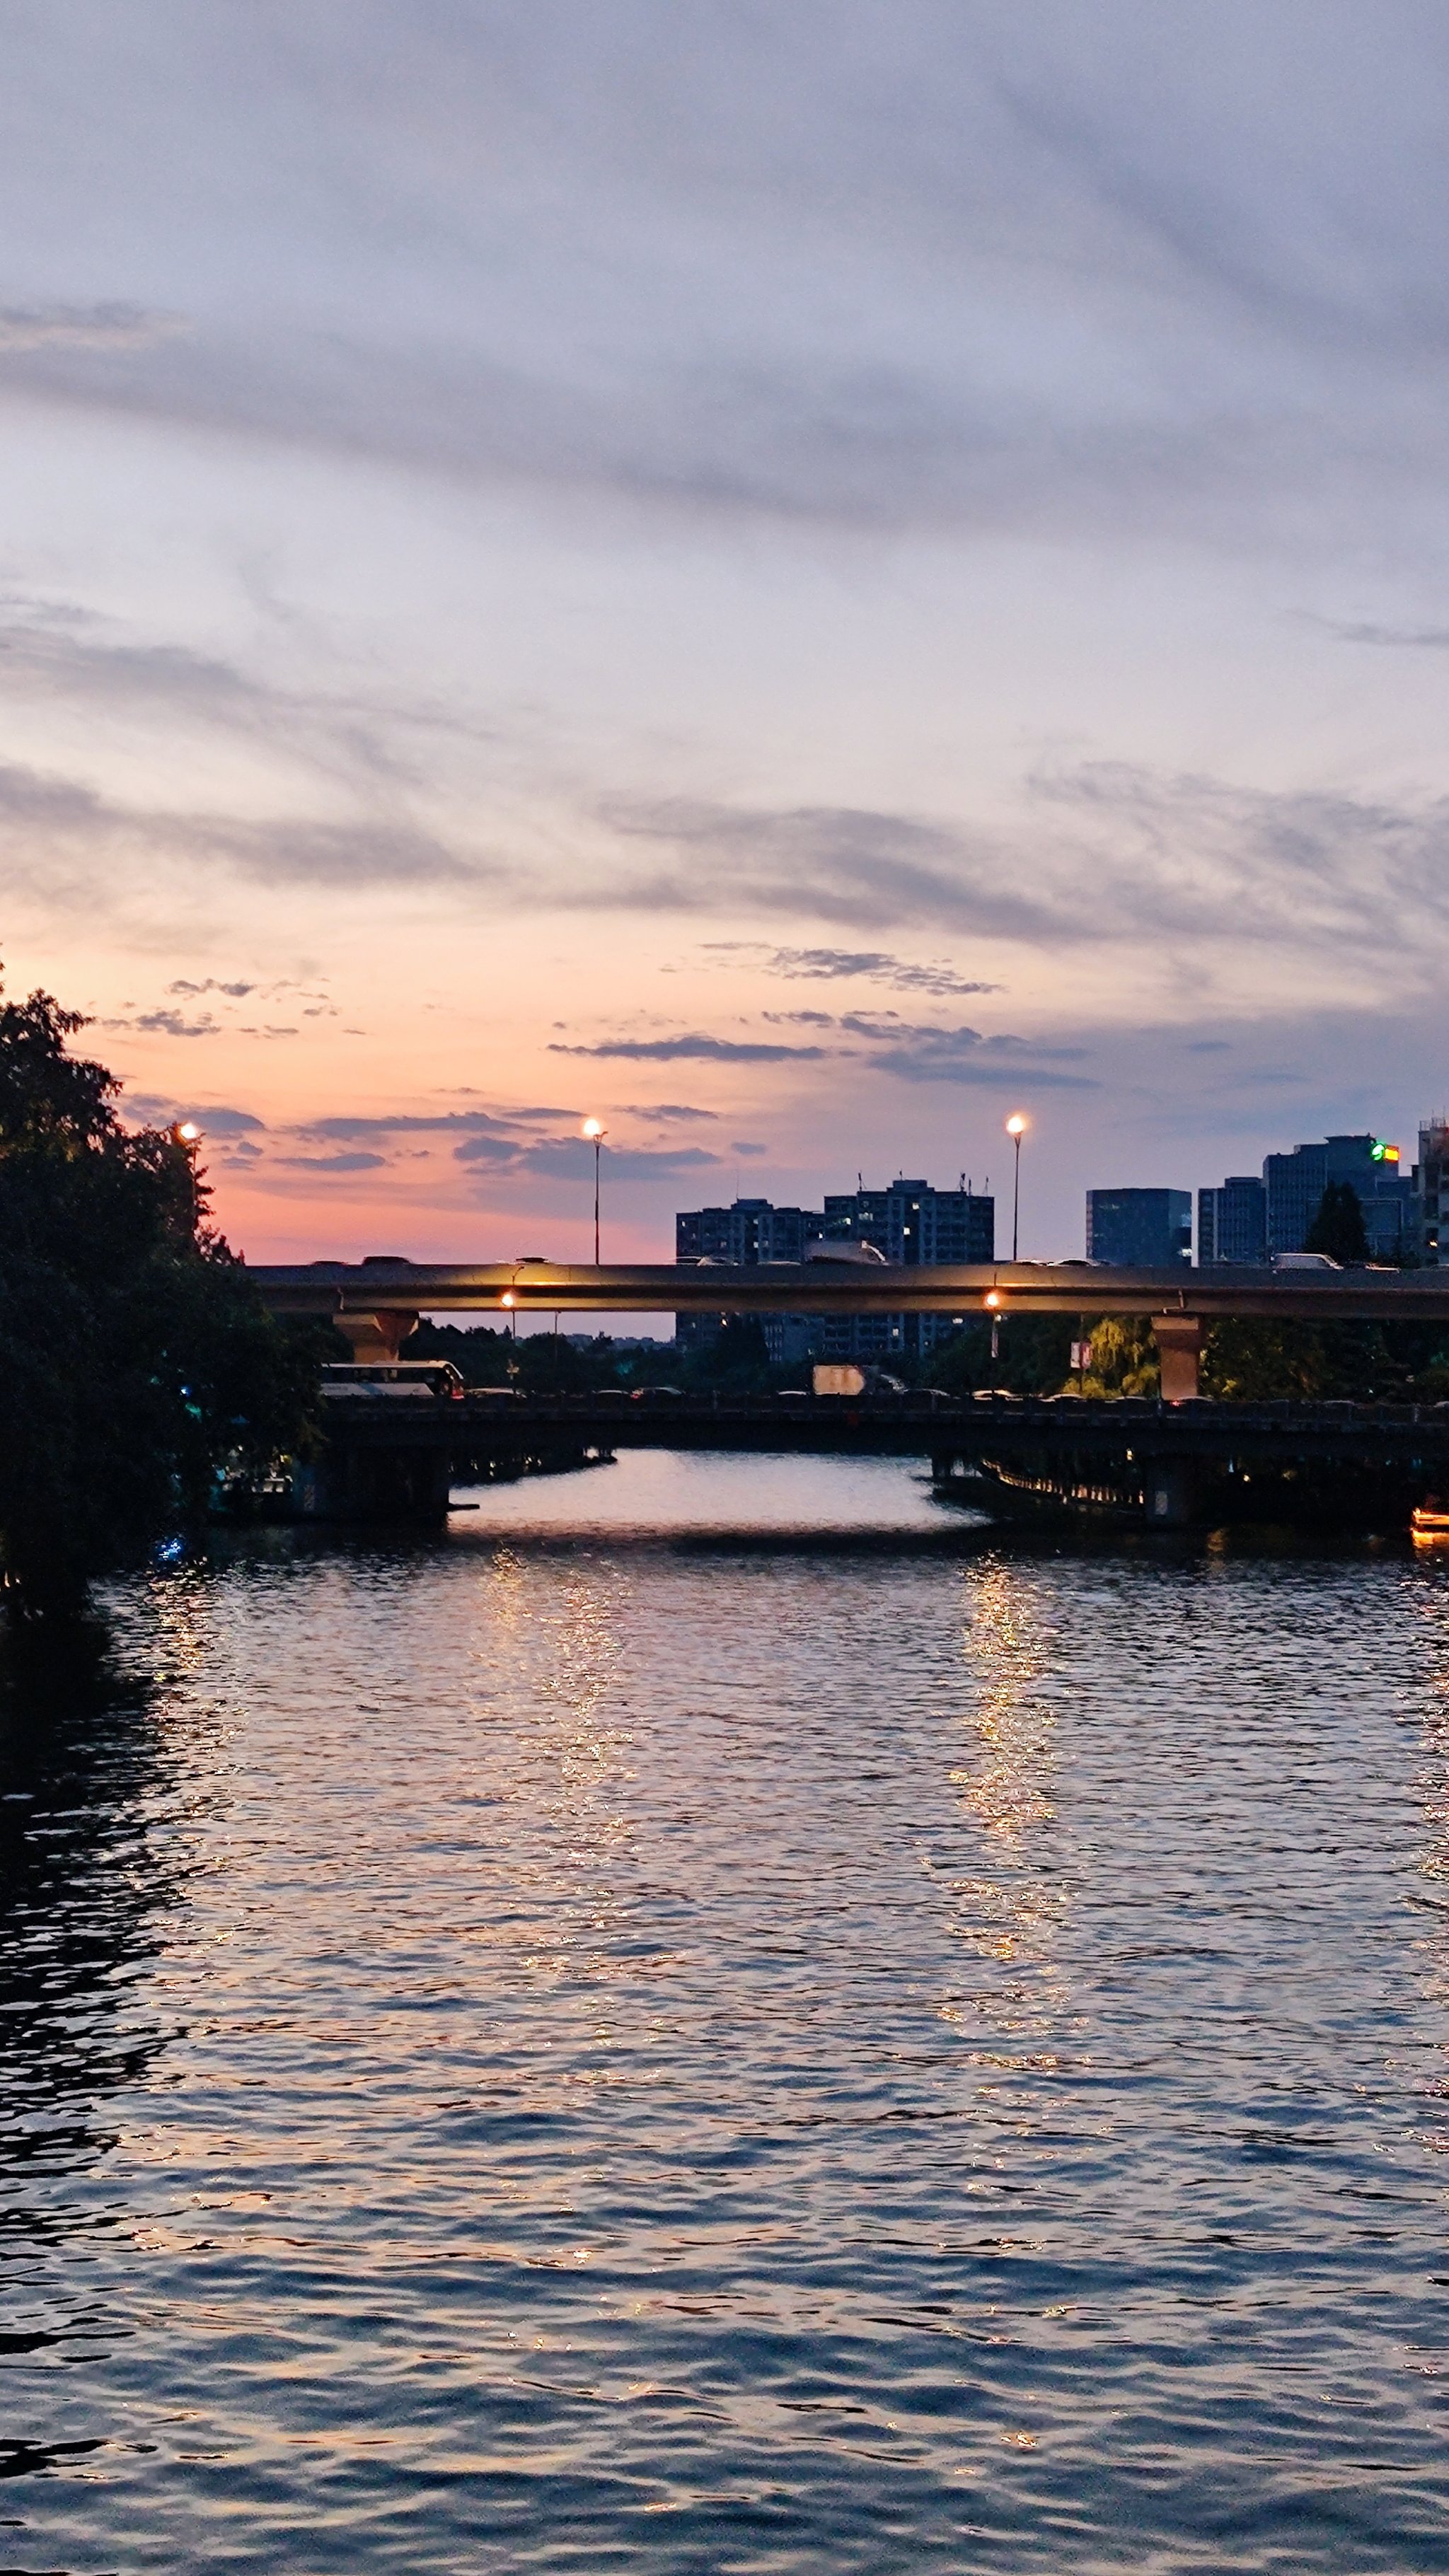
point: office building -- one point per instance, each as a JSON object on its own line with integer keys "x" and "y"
{"x": 1295, "y": 1184}
{"x": 1139, "y": 1229}
{"x": 907, "y": 1222}
{"x": 749, "y": 1232}
{"x": 1431, "y": 1193}
{"x": 1232, "y": 1221}
{"x": 915, "y": 1225}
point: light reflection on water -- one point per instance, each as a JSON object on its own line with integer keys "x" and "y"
{"x": 714, "y": 2019}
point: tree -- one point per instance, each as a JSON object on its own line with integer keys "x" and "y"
{"x": 1338, "y": 1228}
{"x": 1032, "y": 1355}
{"x": 1125, "y": 1357}
{"x": 135, "y": 1358}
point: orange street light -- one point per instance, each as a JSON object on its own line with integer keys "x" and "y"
{"x": 595, "y": 1130}
{"x": 188, "y": 1133}
{"x": 1016, "y": 1127}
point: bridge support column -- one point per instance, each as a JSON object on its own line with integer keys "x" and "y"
{"x": 1179, "y": 1347}
{"x": 1169, "y": 1493}
{"x": 378, "y": 1336}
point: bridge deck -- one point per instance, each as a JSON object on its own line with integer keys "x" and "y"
{"x": 912, "y": 1425}
{"x": 822, "y": 1288}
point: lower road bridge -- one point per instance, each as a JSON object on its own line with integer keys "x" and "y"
{"x": 397, "y": 1454}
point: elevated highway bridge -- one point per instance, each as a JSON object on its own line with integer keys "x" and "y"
{"x": 377, "y": 1303}
{"x": 1167, "y": 1463}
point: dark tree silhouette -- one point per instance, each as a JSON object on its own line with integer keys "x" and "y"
{"x": 1338, "y": 1228}
{"x": 134, "y": 1356}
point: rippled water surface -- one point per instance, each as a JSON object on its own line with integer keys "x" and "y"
{"x": 718, "y": 2019}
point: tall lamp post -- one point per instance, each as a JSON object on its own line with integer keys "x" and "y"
{"x": 1016, "y": 1126}
{"x": 595, "y": 1132}
{"x": 188, "y": 1135}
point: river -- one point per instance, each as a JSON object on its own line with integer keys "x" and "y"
{"x": 720, "y": 2020}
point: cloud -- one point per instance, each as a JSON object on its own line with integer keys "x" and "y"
{"x": 346, "y": 1129}
{"x": 214, "y": 1120}
{"x": 671, "y": 1109}
{"x": 838, "y": 863}
{"x": 1432, "y": 639}
{"x": 102, "y": 327}
{"x": 193, "y": 992}
{"x": 695, "y": 1048}
{"x": 331, "y": 1162}
{"x": 572, "y": 1158}
{"x": 952, "y": 1063}
{"x": 1180, "y": 859}
{"x": 741, "y": 1146}
{"x": 40, "y": 815}
{"x": 165, "y": 1024}
{"x": 1041, "y": 270}
{"x": 837, "y": 965}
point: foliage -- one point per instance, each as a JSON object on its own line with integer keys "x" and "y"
{"x": 1125, "y": 1358}
{"x": 1257, "y": 1361}
{"x": 1338, "y": 1228}
{"x": 1033, "y": 1353}
{"x": 134, "y": 1356}
{"x": 538, "y": 1363}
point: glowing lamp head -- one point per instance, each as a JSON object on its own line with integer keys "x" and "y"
{"x": 993, "y": 1297}
{"x": 1016, "y": 1124}
{"x": 507, "y": 1297}
{"x": 594, "y": 1128}
{"x": 188, "y": 1133}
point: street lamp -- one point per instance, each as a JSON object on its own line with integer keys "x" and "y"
{"x": 1016, "y": 1127}
{"x": 595, "y": 1132}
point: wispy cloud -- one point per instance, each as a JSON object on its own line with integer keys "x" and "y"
{"x": 1430, "y": 639}
{"x": 41, "y": 815}
{"x": 840, "y": 965}
{"x": 437, "y": 1122}
{"x": 672, "y": 1109}
{"x": 94, "y": 327}
{"x": 695, "y": 1048}
{"x": 216, "y": 1120}
{"x": 331, "y": 1162}
{"x": 165, "y": 1024}
{"x": 572, "y": 1158}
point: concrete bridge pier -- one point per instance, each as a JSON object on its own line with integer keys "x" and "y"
{"x": 1169, "y": 1493}
{"x": 379, "y": 1336}
{"x": 1179, "y": 1347}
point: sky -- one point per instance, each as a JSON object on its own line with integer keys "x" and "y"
{"x": 795, "y": 580}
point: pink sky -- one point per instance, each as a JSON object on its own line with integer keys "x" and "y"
{"x": 797, "y": 594}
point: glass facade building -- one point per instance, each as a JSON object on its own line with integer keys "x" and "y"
{"x": 1232, "y": 1221}
{"x": 1139, "y": 1229}
{"x": 1431, "y": 1188}
{"x": 1295, "y": 1184}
